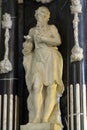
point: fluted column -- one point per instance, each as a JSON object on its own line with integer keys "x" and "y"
{"x": 77, "y": 66}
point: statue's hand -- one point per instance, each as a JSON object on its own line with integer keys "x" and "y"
{"x": 61, "y": 88}
{"x": 27, "y": 37}
{"x": 27, "y": 47}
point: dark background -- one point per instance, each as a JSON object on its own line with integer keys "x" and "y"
{"x": 23, "y": 19}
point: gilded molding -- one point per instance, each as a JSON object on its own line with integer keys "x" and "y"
{"x": 77, "y": 51}
{"x": 44, "y": 1}
{"x": 5, "y": 64}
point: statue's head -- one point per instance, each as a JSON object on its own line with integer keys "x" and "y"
{"x": 42, "y": 14}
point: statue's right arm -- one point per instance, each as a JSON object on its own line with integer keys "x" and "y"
{"x": 31, "y": 33}
{"x": 28, "y": 44}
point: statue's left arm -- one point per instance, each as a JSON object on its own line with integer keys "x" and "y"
{"x": 54, "y": 38}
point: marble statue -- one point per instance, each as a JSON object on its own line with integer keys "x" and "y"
{"x": 43, "y": 66}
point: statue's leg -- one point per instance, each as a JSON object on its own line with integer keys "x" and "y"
{"x": 38, "y": 99}
{"x": 50, "y": 101}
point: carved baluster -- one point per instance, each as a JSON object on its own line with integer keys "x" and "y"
{"x": 77, "y": 51}
{"x": 77, "y": 64}
{"x": 9, "y": 78}
{"x": 5, "y": 64}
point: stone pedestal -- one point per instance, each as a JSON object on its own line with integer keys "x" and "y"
{"x": 41, "y": 126}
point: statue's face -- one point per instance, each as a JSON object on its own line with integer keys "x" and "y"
{"x": 42, "y": 14}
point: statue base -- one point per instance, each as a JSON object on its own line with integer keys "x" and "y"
{"x": 41, "y": 126}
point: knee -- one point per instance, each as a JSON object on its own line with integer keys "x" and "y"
{"x": 52, "y": 88}
{"x": 38, "y": 86}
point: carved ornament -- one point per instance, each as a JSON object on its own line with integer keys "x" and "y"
{"x": 5, "y": 64}
{"x": 77, "y": 51}
{"x": 44, "y": 1}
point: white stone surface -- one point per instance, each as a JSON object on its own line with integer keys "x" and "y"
{"x": 77, "y": 51}
{"x": 44, "y": 1}
{"x": 71, "y": 107}
{"x": 20, "y": 1}
{"x": 84, "y": 106}
{"x": 78, "y": 124}
{"x": 76, "y": 6}
{"x": 41, "y": 126}
{"x": 43, "y": 65}
{"x": 16, "y": 116}
{"x": 5, "y": 64}
{"x": 4, "y": 121}
{"x": 0, "y": 109}
{"x": 10, "y": 119}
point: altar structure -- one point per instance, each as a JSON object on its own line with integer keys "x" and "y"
{"x": 16, "y": 19}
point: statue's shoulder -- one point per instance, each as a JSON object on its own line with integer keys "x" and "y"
{"x": 31, "y": 31}
{"x": 53, "y": 27}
